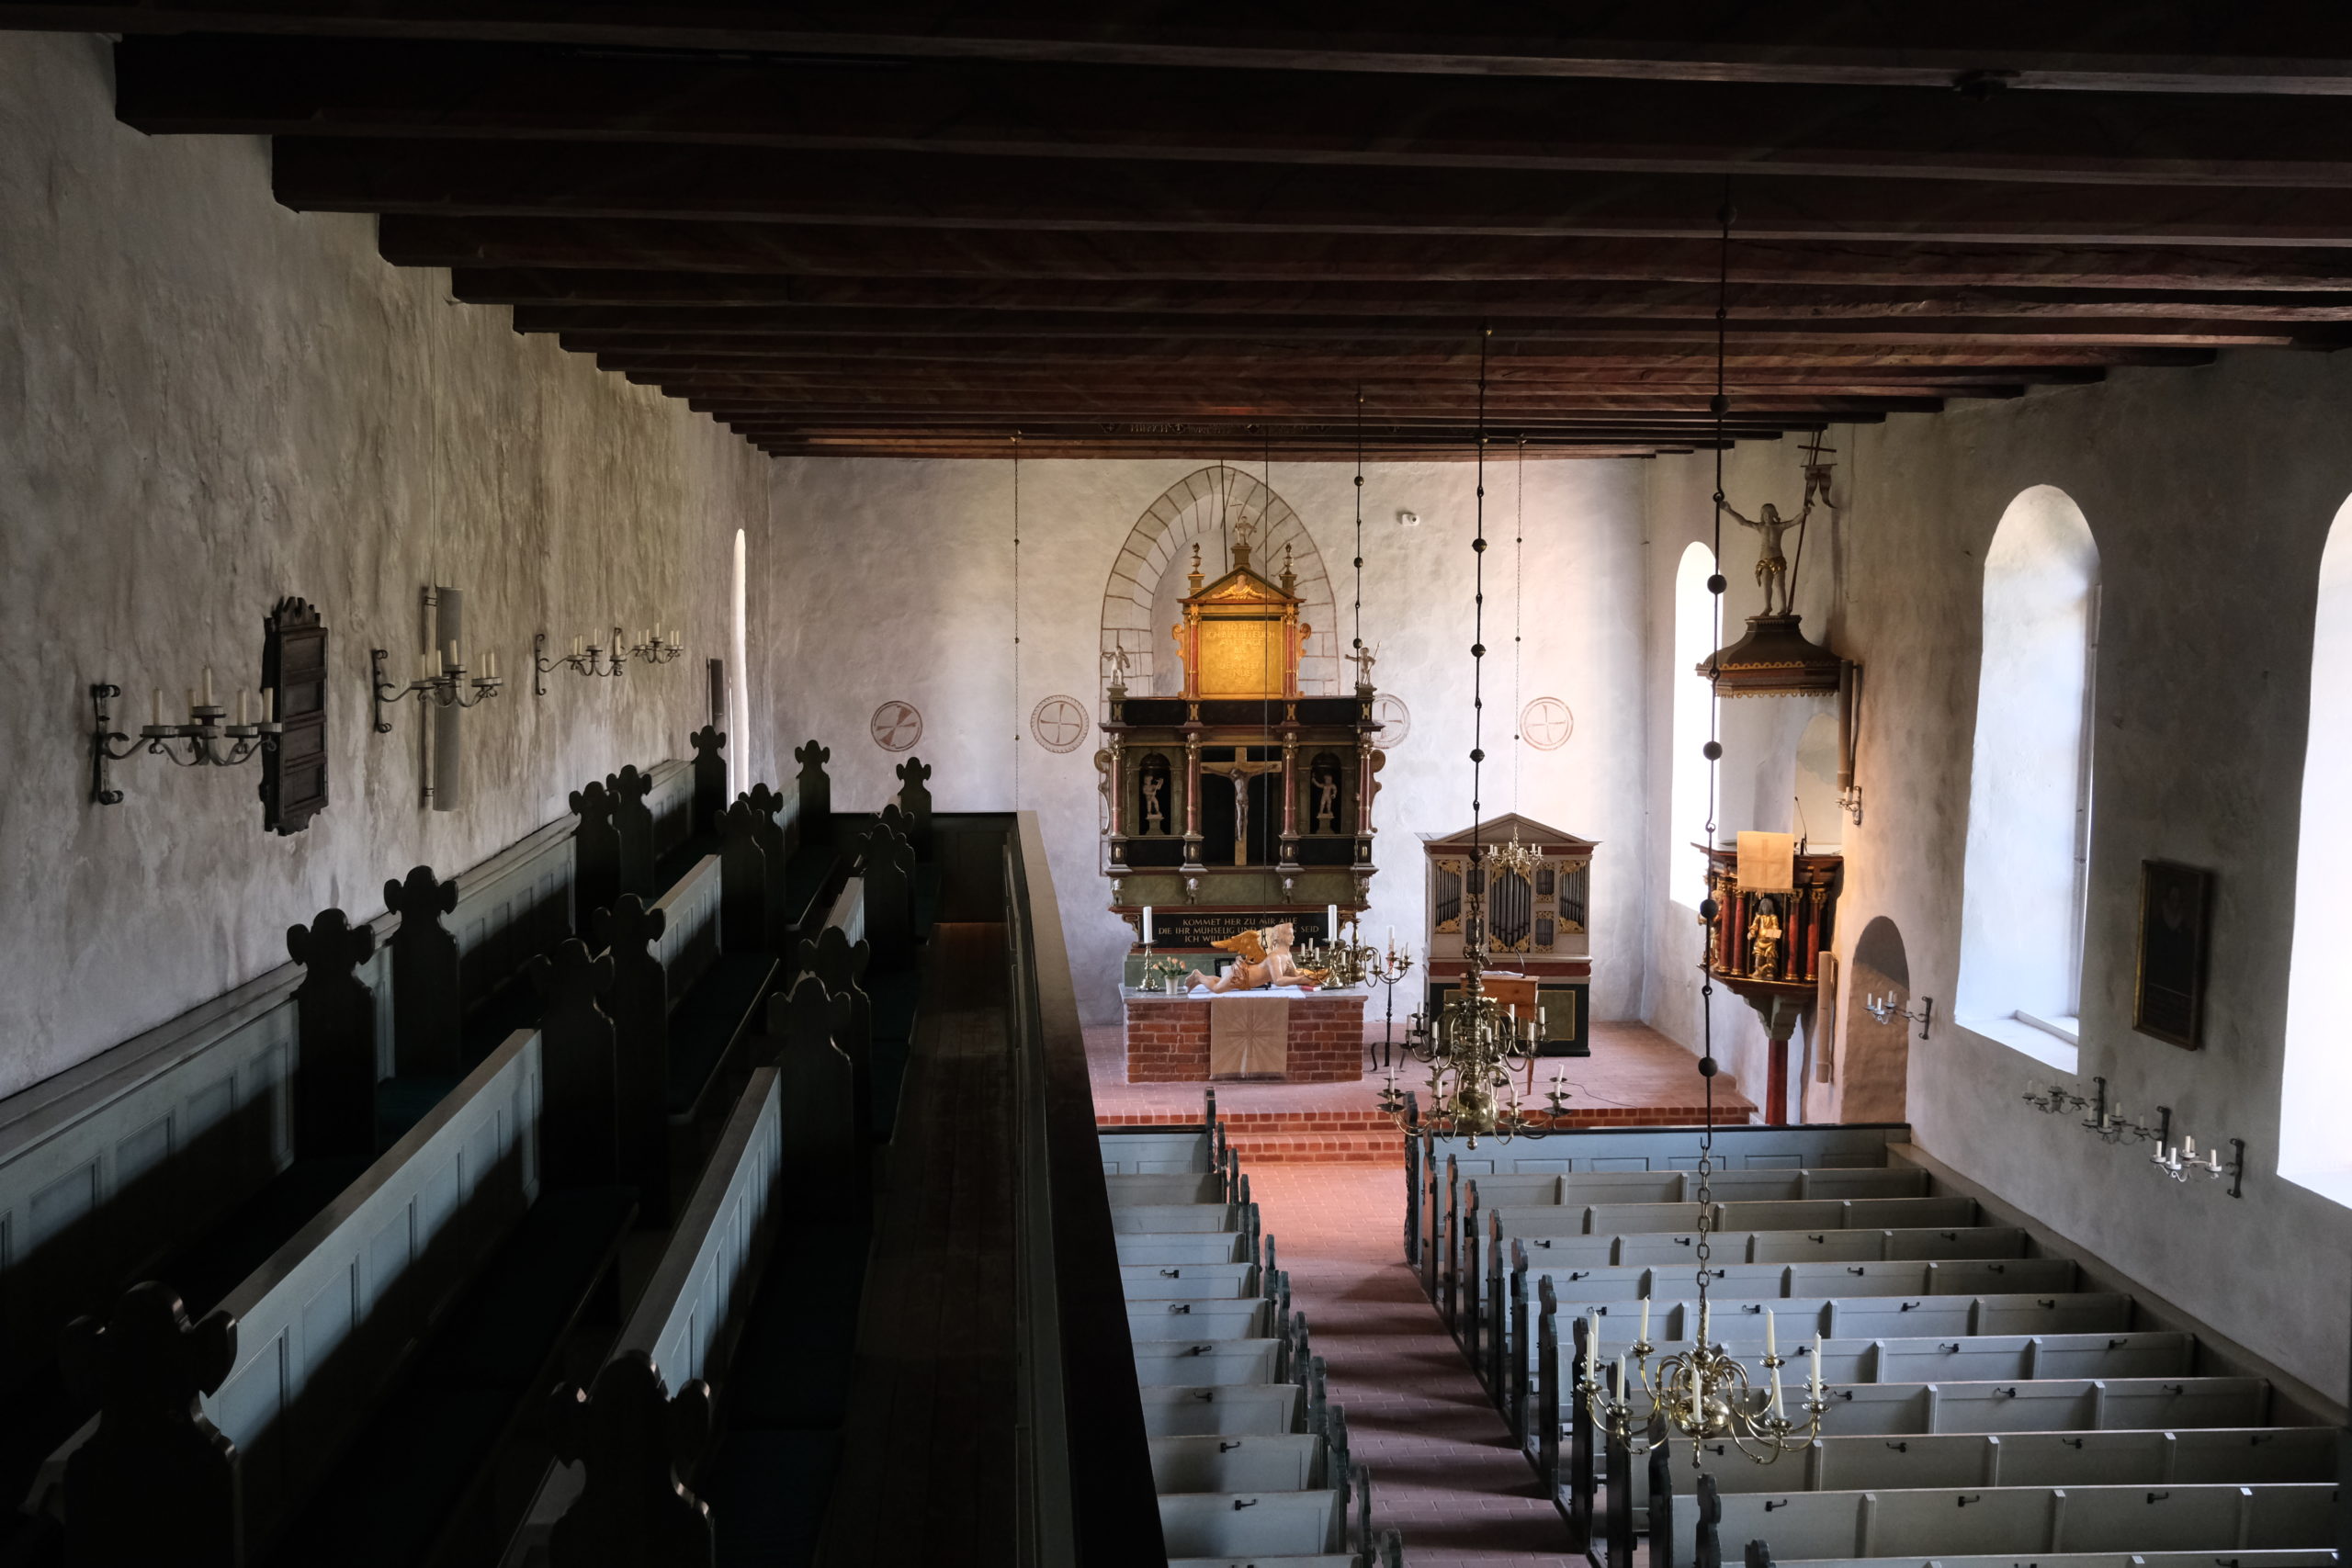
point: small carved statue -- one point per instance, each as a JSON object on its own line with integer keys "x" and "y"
{"x": 1764, "y": 942}
{"x": 1363, "y": 659}
{"x": 1771, "y": 565}
{"x": 1155, "y": 814}
{"x": 1326, "y": 803}
{"x": 1262, "y": 959}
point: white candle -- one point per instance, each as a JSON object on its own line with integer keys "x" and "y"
{"x": 1771, "y": 1342}
{"x": 578, "y": 646}
{"x": 1146, "y": 925}
{"x": 207, "y": 685}
{"x": 269, "y": 704}
{"x": 155, "y": 708}
{"x": 1622, "y": 1385}
{"x": 191, "y": 703}
{"x": 424, "y": 666}
{"x": 1330, "y": 922}
{"x": 1817, "y": 1368}
{"x": 1645, "y": 1335}
{"x": 1778, "y": 1409}
{"x": 1592, "y": 1348}
{"x": 242, "y": 717}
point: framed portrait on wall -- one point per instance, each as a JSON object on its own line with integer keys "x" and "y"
{"x": 2168, "y": 992}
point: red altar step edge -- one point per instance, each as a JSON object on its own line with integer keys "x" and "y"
{"x": 1364, "y": 1138}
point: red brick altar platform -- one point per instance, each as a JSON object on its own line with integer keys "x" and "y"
{"x": 1634, "y": 1078}
{"x": 1167, "y": 1039}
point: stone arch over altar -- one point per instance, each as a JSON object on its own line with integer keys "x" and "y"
{"x": 1139, "y": 604}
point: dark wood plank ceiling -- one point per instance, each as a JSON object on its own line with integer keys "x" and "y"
{"x": 1220, "y": 229}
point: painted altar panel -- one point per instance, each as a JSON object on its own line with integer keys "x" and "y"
{"x": 1242, "y": 658}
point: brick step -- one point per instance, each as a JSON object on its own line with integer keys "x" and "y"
{"x": 1319, "y": 1148}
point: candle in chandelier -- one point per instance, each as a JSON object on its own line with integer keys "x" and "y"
{"x": 155, "y": 707}
{"x": 207, "y": 685}
{"x": 1622, "y": 1386}
{"x": 242, "y": 719}
{"x": 269, "y": 704}
{"x": 1644, "y": 1338}
{"x": 1771, "y": 1344}
{"x": 1779, "y": 1409}
{"x": 1817, "y": 1368}
{"x": 191, "y": 702}
{"x": 1592, "y": 1348}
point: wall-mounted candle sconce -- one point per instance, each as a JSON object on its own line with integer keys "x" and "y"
{"x": 607, "y": 658}
{"x": 200, "y": 743}
{"x": 440, "y": 682}
{"x": 1884, "y": 1007}
{"x": 2180, "y": 1161}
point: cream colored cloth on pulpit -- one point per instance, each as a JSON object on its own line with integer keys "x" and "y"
{"x": 1249, "y": 1036}
{"x": 1768, "y": 862}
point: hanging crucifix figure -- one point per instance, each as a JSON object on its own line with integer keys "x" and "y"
{"x": 1771, "y": 565}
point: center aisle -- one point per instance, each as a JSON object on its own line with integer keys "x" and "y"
{"x": 1446, "y": 1472}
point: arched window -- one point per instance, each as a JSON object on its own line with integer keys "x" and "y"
{"x": 2029, "y": 788}
{"x": 2312, "y": 1149}
{"x": 1694, "y": 638}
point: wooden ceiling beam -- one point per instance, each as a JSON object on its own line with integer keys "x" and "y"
{"x": 817, "y": 322}
{"x": 720, "y": 300}
{"x": 328, "y": 87}
{"x": 1509, "y": 361}
{"x": 898, "y": 380}
{"x": 615, "y": 248}
{"x": 1974, "y": 45}
{"x": 636, "y": 180}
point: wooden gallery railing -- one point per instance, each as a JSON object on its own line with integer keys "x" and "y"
{"x": 1089, "y": 1498}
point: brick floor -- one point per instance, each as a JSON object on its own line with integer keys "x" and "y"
{"x": 1635, "y": 1076}
{"x": 1442, "y": 1465}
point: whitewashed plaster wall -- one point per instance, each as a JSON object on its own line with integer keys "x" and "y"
{"x": 207, "y": 402}
{"x": 2209, "y": 492}
{"x": 894, "y": 580}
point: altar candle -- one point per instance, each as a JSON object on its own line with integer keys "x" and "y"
{"x": 207, "y": 685}
{"x": 1146, "y": 925}
{"x": 1330, "y": 922}
{"x": 269, "y": 704}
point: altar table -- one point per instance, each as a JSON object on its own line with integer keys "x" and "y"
{"x": 1176, "y": 1039}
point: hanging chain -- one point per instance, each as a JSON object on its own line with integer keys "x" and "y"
{"x": 1518, "y": 576}
{"x": 1721, "y": 405}
{"x": 1358, "y": 637}
{"x": 1478, "y": 645}
{"x": 1016, "y": 620}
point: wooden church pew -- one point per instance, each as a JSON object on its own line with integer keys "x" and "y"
{"x": 1250, "y": 1460}
{"x": 460, "y": 1192}
{"x": 756, "y": 1298}
{"x": 1648, "y": 1159}
{"x": 2021, "y": 1522}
